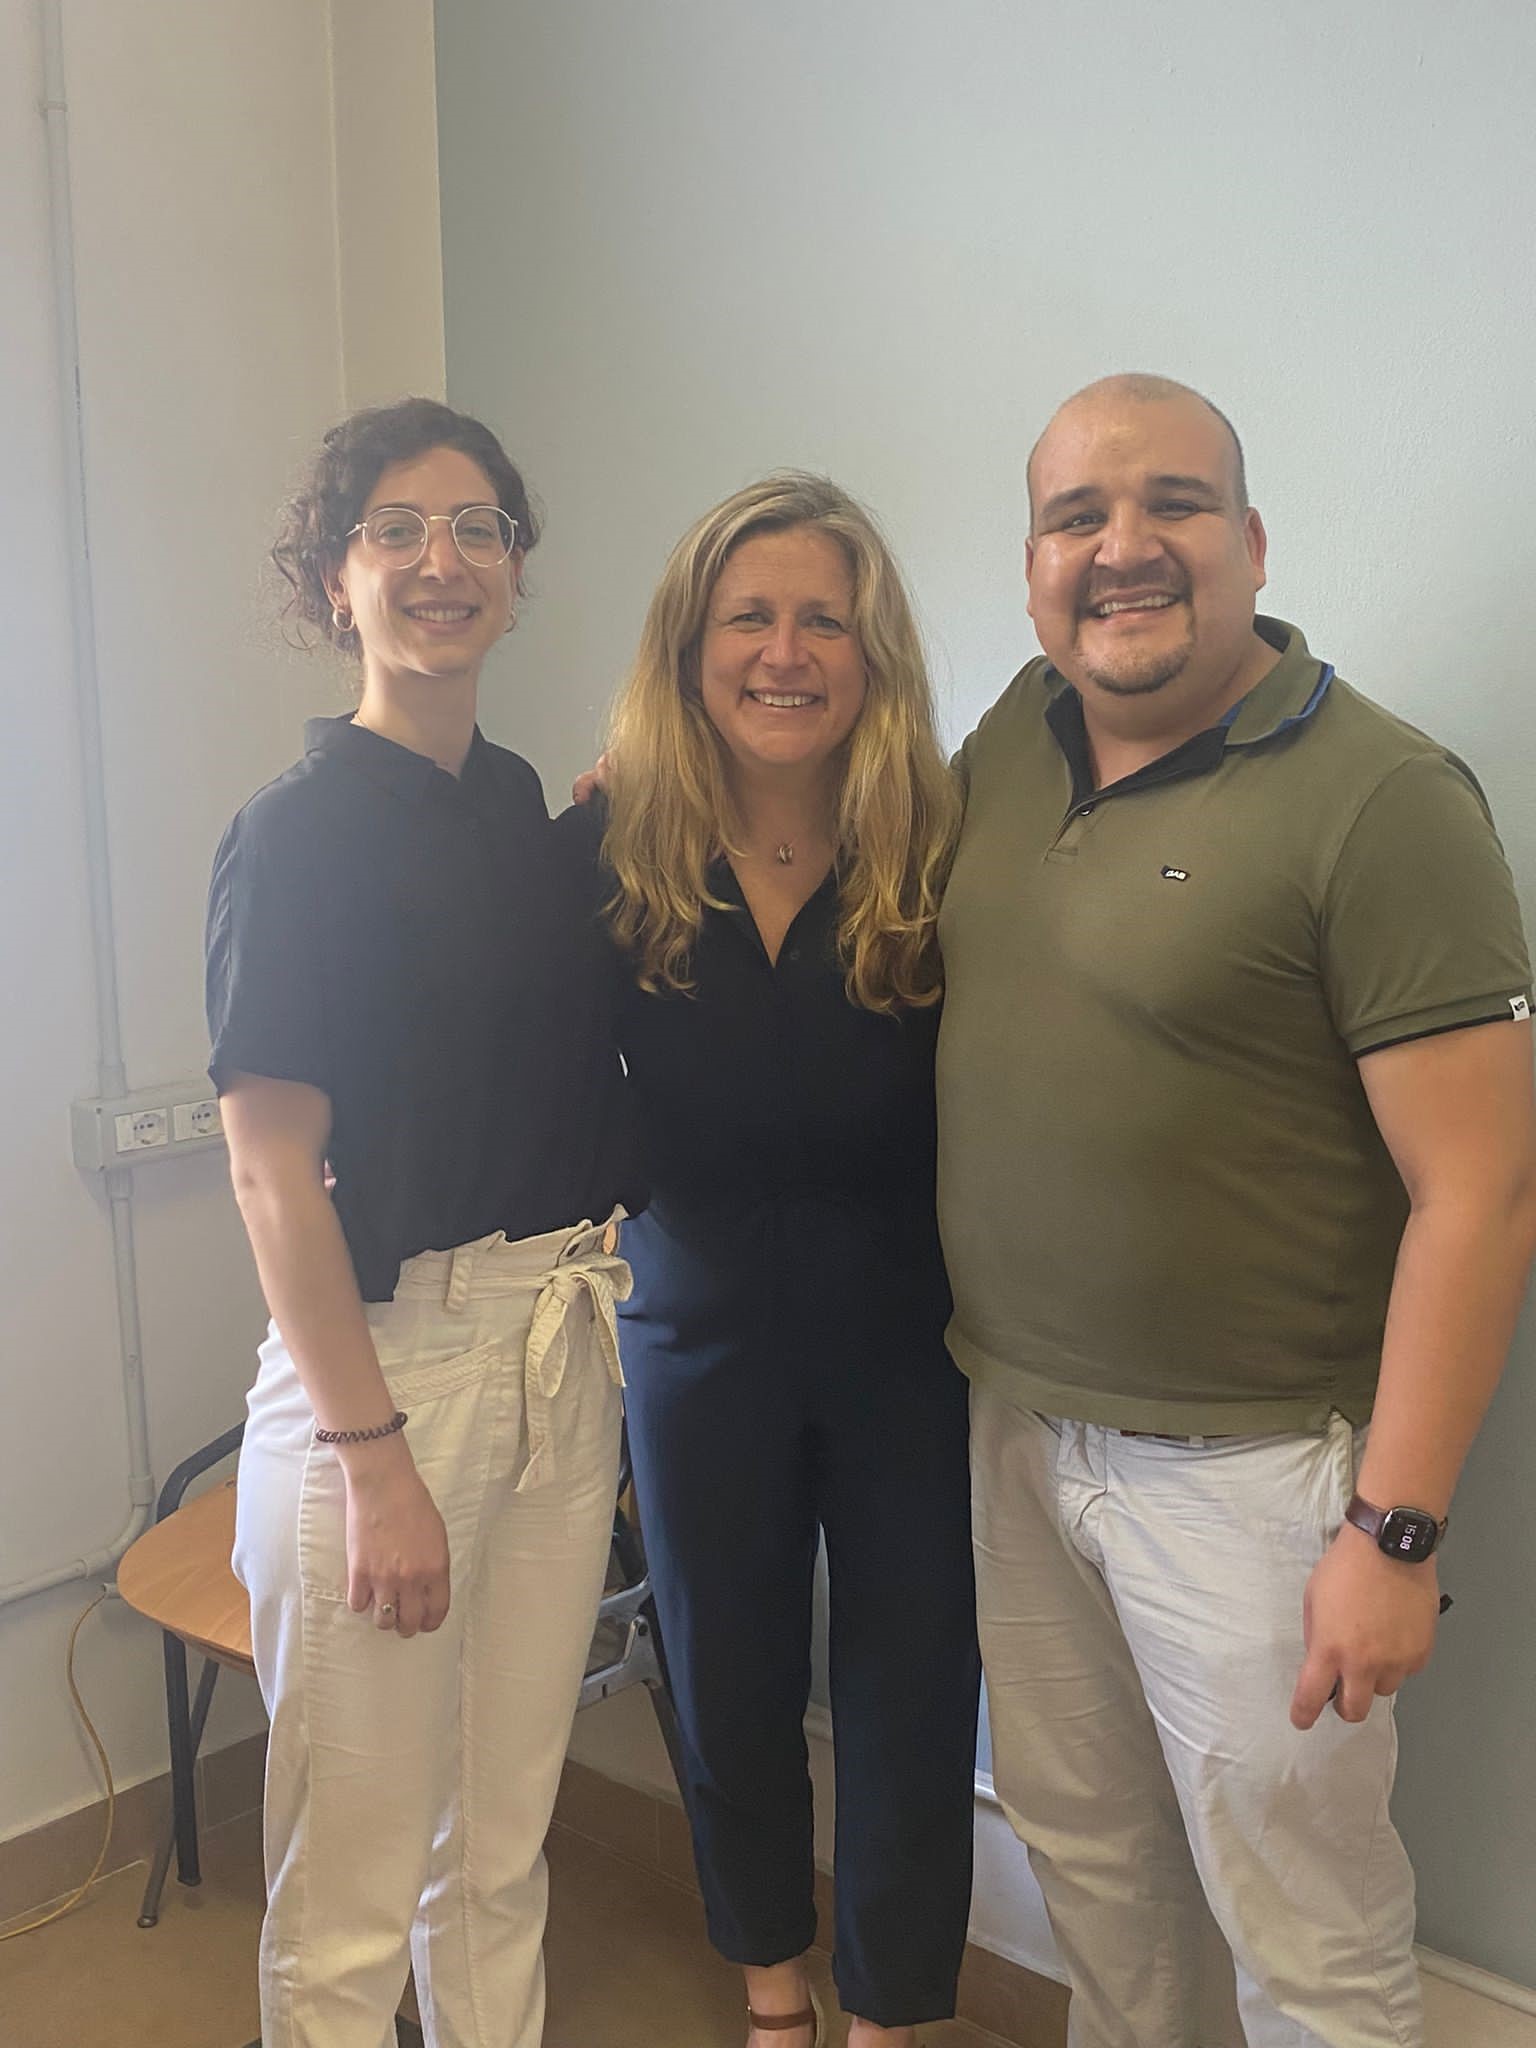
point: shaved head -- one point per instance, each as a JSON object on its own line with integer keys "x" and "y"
{"x": 1144, "y": 557}
{"x": 1138, "y": 388}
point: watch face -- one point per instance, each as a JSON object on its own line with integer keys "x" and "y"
{"x": 1409, "y": 1535}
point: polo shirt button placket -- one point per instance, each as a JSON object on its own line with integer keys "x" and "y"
{"x": 1064, "y": 845}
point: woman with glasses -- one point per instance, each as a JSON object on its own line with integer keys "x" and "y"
{"x": 779, "y": 830}
{"x": 413, "y": 1048}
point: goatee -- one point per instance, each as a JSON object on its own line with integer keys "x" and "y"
{"x": 1140, "y": 681}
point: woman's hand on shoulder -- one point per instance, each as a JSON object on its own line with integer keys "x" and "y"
{"x": 591, "y": 782}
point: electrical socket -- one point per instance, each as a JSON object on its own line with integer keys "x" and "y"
{"x": 167, "y": 1122}
{"x": 140, "y": 1130}
{"x": 196, "y": 1120}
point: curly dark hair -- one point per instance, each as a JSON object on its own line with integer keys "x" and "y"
{"x": 354, "y": 455}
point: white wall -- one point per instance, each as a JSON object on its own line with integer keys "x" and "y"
{"x": 215, "y": 282}
{"x": 388, "y": 241}
{"x": 883, "y": 238}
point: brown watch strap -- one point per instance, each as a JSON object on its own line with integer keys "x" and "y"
{"x": 1366, "y": 1516}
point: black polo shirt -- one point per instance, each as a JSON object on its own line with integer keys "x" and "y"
{"x": 412, "y": 944}
{"x": 789, "y": 1148}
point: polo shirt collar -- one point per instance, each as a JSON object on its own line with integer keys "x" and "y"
{"x": 1064, "y": 715}
{"x": 1291, "y": 691}
{"x": 408, "y": 774}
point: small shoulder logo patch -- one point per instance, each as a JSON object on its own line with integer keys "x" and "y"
{"x": 1175, "y": 874}
{"x": 1519, "y": 1008}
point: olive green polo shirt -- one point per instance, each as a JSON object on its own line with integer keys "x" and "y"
{"x": 1165, "y": 1202}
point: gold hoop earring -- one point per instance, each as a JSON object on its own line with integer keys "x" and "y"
{"x": 342, "y": 624}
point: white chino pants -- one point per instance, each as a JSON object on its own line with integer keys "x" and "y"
{"x": 410, "y": 1784}
{"x": 1140, "y": 1607}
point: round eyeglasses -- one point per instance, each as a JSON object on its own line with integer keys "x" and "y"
{"x": 396, "y": 535}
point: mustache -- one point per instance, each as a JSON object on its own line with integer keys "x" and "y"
{"x": 1097, "y": 591}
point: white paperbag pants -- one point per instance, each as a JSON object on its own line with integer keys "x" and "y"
{"x": 410, "y": 1783}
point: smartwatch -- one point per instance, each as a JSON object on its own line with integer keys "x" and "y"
{"x": 1407, "y": 1534}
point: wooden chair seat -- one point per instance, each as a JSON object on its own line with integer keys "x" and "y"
{"x": 178, "y": 1574}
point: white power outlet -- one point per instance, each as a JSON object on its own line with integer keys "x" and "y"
{"x": 196, "y": 1120}
{"x": 141, "y": 1130}
{"x": 109, "y": 1132}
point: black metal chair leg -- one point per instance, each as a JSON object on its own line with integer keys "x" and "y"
{"x": 627, "y": 1550}
{"x": 149, "y": 1908}
{"x": 629, "y": 1553}
{"x": 185, "y": 1726}
{"x": 666, "y": 1721}
{"x": 183, "y": 1760}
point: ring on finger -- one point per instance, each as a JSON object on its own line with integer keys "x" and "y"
{"x": 387, "y": 1612}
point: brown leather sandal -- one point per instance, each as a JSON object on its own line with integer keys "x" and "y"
{"x": 775, "y": 2022}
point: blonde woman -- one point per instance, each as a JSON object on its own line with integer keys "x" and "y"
{"x": 779, "y": 828}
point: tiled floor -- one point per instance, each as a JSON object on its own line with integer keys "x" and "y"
{"x": 97, "y": 1980}
{"x": 628, "y": 1963}
{"x": 628, "y": 1966}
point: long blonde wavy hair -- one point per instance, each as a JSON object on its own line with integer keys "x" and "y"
{"x": 671, "y": 808}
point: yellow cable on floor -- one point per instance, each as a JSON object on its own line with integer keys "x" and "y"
{"x": 30, "y": 1926}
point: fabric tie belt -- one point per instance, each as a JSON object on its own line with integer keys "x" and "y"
{"x": 605, "y": 1281}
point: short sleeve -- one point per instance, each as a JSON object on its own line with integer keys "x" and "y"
{"x": 1421, "y": 927}
{"x": 264, "y": 956}
{"x": 578, "y": 834}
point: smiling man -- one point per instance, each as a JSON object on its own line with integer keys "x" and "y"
{"x": 1238, "y": 1187}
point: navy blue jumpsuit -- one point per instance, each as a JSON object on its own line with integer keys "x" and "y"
{"x": 784, "y": 1349}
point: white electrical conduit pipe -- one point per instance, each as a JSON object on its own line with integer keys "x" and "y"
{"x": 111, "y": 1078}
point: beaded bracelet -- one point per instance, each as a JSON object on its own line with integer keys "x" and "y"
{"x": 363, "y": 1436}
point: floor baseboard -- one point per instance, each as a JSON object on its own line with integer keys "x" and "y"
{"x": 49, "y": 1862}
{"x": 1015, "y": 2004}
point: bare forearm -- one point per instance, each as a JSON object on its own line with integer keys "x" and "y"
{"x": 398, "y": 1562}
{"x": 1458, "y": 1116}
{"x": 1461, "y": 1274}
{"x": 307, "y": 1278}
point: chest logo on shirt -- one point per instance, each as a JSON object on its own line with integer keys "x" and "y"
{"x": 1175, "y": 874}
